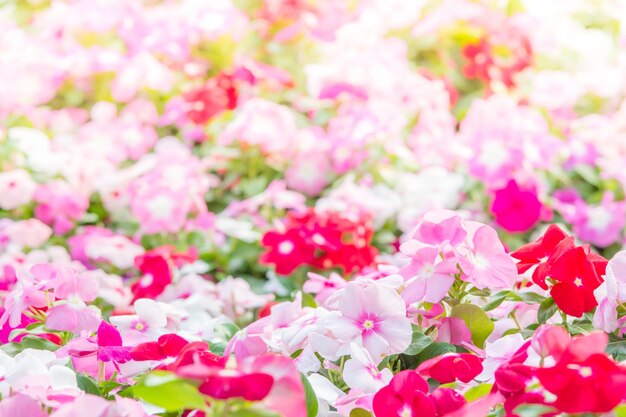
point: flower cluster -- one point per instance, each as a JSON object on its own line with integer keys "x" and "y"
{"x": 312, "y": 208}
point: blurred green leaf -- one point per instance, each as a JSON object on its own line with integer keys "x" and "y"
{"x": 477, "y": 321}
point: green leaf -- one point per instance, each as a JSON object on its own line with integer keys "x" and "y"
{"x": 86, "y": 384}
{"x": 616, "y": 346}
{"x": 435, "y": 349}
{"x": 496, "y": 300}
{"x": 167, "y": 391}
{"x": 308, "y": 300}
{"x": 359, "y": 412}
{"x": 477, "y": 392}
{"x": 477, "y": 321}
{"x": 531, "y": 297}
{"x": 419, "y": 342}
{"x": 310, "y": 397}
{"x": 547, "y": 308}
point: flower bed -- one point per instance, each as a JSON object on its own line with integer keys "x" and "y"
{"x": 298, "y": 208}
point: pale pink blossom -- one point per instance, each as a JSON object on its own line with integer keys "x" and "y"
{"x": 485, "y": 262}
{"x": 361, "y": 372}
{"x": 373, "y": 317}
{"x": 17, "y": 188}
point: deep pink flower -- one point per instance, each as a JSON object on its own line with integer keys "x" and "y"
{"x": 451, "y": 367}
{"x": 516, "y": 210}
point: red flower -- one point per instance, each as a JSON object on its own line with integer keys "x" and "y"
{"x": 196, "y": 361}
{"x": 286, "y": 251}
{"x": 499, "y": 56}
{"x": 157, "y": 267}
{"x": 479, "y": 60}
{"x": 156, "y": 276}
{"x": 451, "y": 367}
{"x": 323, "y": 240}
{"x": 538, "y": 252}
{"x": 577, "y": 276}
{"x": 571, "y": 272}
{"x": 516, "y": 210}
{"x": 407, "y": 394}
{"x": 216, "y": 95}
{"x": 168, "y": 345}
{"x": 595, "y": 385}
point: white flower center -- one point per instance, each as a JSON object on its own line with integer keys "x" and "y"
{"x": 286, "y": 247}
{"x": 161, "y": 207}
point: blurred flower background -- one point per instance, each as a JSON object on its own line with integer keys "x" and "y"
{"x": 177, "y": 169}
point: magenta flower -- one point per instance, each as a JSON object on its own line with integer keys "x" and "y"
{"x": 516, "y": 210}
{"x": 100, "y": 355}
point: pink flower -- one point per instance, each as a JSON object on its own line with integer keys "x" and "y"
{"x": 70, "y": 312}
{"x": 21, "y": 405}
{"x": 30, "y": 233}
{"x": 602, "y": 224}
{"x": 161, "y": 209}
{"x": 60, "y": 206}
{"x": 516, "y": 210}
{"x": 24, "y": 295}
{"x": 94, "y": 406}
{"x": 323, "y": 287}
{"x": 427, "y": 277}
{"x": 441, "y": 228}
{"x": 16, "y": 189}
{"x": 263, "y": 123}
{"x": 287, "y": 394}
{"x": 373, "y": 317}
{"x": 99, "y": 356}
{"x": 309, "y": 173}
{"x": 485, "y": 262}
{"x": 610, "y": 293}
{"x": 361, "y": 372}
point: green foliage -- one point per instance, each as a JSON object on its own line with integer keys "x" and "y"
{"x": 166, "y": 390}
{"x": 310, "y": 397}
{"x": 419, "y": 342}
{"x": 546, "y": 310}
{"x": 477, "y": 321}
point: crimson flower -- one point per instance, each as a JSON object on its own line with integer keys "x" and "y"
{"x": 407, "y": 395}
{"x": 215, "y": 96}
{"x": 570, "y": 272}
{"x": 595, "y": 385}
{"x": 538, "y": 253}
{"x": 287, "y": 251}
{"x": 157, "y": 267}
{"x": 167, "y": 345}
{"x": 323, "y": 240}
{"x": 451, "y": 367}
{"x": 577, "y": 275}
